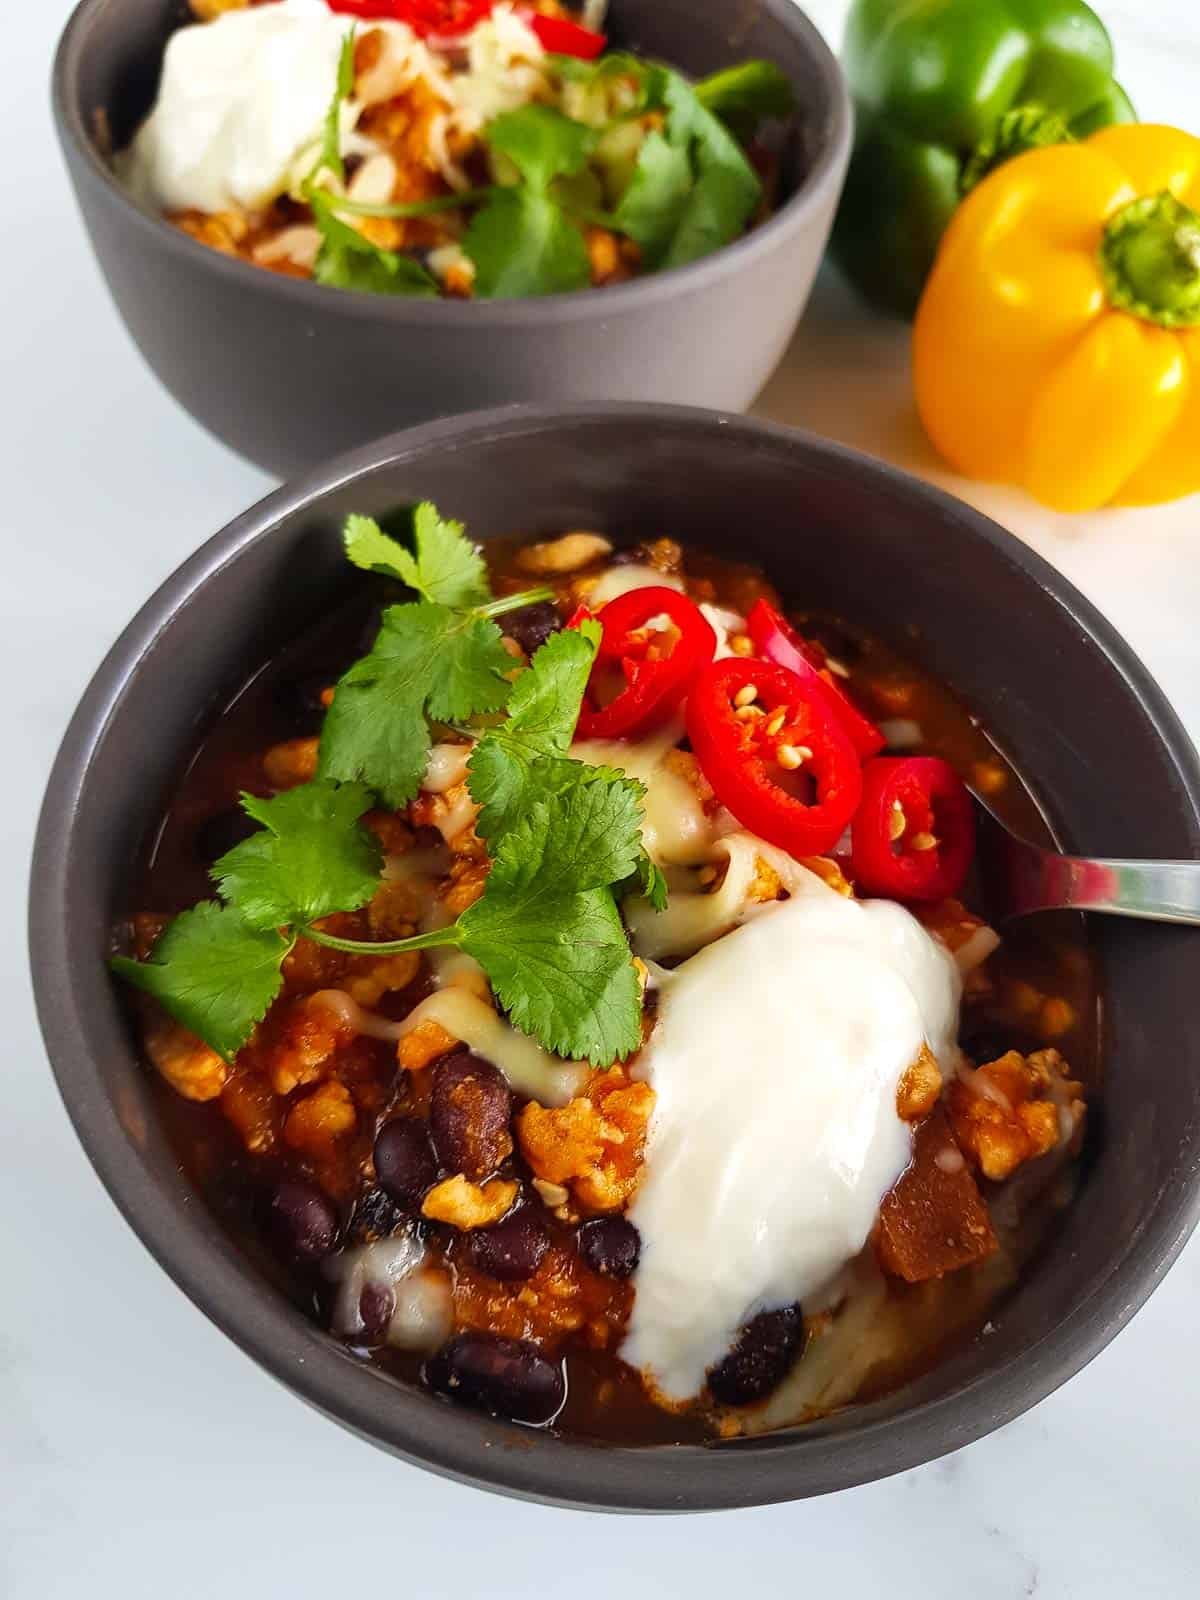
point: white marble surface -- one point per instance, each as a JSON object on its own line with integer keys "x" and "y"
{"x": 140, "y": 1453}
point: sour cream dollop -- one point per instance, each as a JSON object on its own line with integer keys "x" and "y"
{"x": 242, "y": 99}
{"x": 776, "y": 1059}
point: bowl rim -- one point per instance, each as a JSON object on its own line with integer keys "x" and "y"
{"x": 454, "y": 1442}
{"x": 579, "y": 305}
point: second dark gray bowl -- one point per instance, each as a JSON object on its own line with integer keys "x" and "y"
{"x": 1046, "y": 674}
{"x": 289, "y": 372}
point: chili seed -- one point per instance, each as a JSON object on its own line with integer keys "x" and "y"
{"x": 789, "y": 757}
{"x": 745, "y": 713}
{"x": 897, "y": 822}
{"x": 746, "y": 695}
{"x": 922, "y": 841}
{"x": 775, "y": 721}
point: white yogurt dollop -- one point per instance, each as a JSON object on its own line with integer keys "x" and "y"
{"x": 775, "y": 1061}
{"x": 242, "y": 98}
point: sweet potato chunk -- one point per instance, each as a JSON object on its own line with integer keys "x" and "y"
{"x": 934, "y": 1220}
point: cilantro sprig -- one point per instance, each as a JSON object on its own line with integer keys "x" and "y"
{"x": 442, "y": 658}
{"x": 565, "y": 838}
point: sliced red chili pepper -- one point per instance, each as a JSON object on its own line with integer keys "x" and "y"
{"x": 755, "y": 727}
{"x": 657, "y": 664}
{"x": 776, "y": 639}
{"x": 561, "y": 36}
{"x": 448, "y": 18}
{"x": 914, "y": 833}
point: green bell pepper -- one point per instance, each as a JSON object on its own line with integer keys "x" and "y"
{"x": 944, "y": 91}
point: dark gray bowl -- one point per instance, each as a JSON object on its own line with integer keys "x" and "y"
{"x": 1047, "y": 674}
{"x": 288, "y": 372}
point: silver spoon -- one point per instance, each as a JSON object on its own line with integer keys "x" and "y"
{"x": 1021, "y": 877}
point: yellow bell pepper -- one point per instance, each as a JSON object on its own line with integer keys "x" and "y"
{"x": 1057, "y": 344}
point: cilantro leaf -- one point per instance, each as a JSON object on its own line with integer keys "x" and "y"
{"x": 650, "y": 882}
{"x": 312, "y": 858}
{"x": 727, "y": 188}
{"x": 586, "y": 837}
{"x": 331, "y": 144}
{"x": 651, "y": 207}
{"x": 348, "y": 260}
{"x": 426, "y": 660}
{"x": 547, "y": 931}
{"x": 524, "y": 761}
{"x": 744, "y": 95}
{"x": 542, "y": 712}
{"x": 521, "y": 241}
{"x": 716, "y": 213}
{"x": 213, "y": 972}
{"x": 545, "y": 702}
{"x": 447, "y": 568}
{"x": 542, "y": 143}
{"x": 562, "y": 969}
{"x": 523, "y": 244}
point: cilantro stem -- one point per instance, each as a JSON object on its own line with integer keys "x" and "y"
{"x": 435, "y": 938}
{"x": 514, "y": 602}
{"x": 402, "y": 208}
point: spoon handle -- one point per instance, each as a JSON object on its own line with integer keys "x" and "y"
{"x": 1160, "y": 891}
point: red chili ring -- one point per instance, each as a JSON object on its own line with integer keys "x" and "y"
{"x": 654, "y": 685}
{"x": 776, "y": 640}
{"x": 913, "y": 837}
{"x": 745, "y": 752}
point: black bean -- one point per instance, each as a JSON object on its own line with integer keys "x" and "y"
{"x": 469, "y": 1111}
{"x": 610, "y": 1245}
{"x": 221, "y": 832}
{"x": 532, "y": 625}
{"x": 766, "y": 1349}
{"x": 375, "y": 1306}
{"x": 301, "y": 1220}
{"x": 507, "y": 1377}
{"x": 513, "y": 1249}
{"x": 404, "y": 1161}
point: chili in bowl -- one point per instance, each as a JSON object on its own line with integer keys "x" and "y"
{"x": 379, "y": 211}
{"x": 660, "y": 1082}
{"x": 424, "y": 147}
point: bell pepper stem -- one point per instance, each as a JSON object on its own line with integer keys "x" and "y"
{"x": 1021, "y": 129}
{"x": 1150, "y": 258}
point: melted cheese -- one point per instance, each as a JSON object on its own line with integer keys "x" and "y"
{"x": 676, "y": 830}
{"x": 529, "y": 1069}
{"x": 776, "y": 1060}
{"x": 694, "y": 918}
